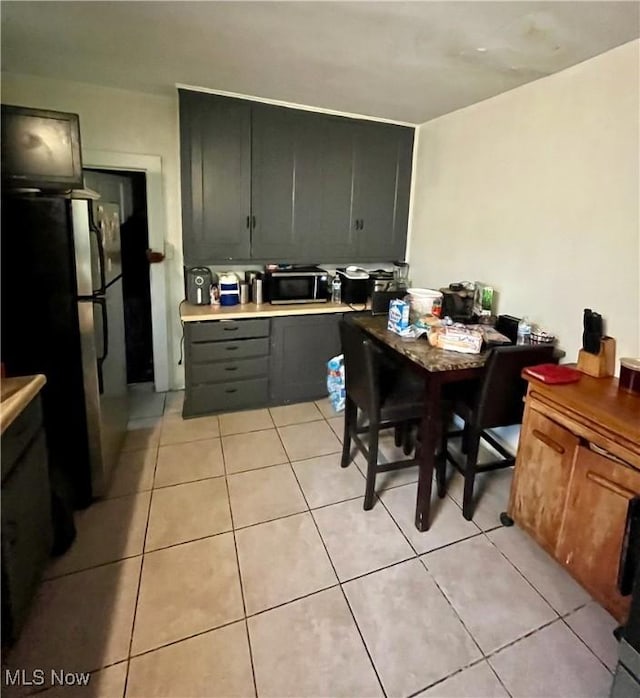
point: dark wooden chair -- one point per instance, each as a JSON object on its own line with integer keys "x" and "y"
{"x": 496, "y": 400}
{"x": 387, "y": 394}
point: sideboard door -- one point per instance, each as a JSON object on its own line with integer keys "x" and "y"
{"x": 591, "y": 537}
{"x": 541, "y": 480}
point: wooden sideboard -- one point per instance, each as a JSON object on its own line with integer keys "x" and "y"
{"x": 577, "y": 467}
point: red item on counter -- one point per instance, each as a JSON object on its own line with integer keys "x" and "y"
{"x": 553, "y": 373}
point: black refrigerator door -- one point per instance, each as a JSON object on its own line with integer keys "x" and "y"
{"x": 40, "y": 331}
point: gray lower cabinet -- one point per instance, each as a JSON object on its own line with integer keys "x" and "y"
{"x": 27, "y": 532}
{"x": 227, "y": 365}
{"x": 245, "y": 364}
{"x": 300, "y": 349}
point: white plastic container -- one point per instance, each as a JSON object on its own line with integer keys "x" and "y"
{"x": 423, "y": 302}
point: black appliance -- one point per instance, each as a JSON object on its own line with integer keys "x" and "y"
{"x": 62, "y": 315}
{"x": 354, "y": 285}
{"x": 40, "y": 149}
{"x": 295, "y": 284}
{"x": 508, "y": 326}
{"x": 380, "y": 300}
{"x": 457, "y": 303}
{"x": 381, "y": 280}
{"x": 626, "y": 681}
{"x": 198, "y": 282}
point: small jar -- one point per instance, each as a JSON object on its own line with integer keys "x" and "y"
{"x": 629, "y": 375}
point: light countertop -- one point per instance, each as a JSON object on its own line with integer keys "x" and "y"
{"x": 15, "y": 395}
{"x": 197, "y": 313}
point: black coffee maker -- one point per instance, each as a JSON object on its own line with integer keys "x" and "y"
{"x": 457, "y": 302}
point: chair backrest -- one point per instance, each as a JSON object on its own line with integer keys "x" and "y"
{"x": 361, "y": 367}
{"x": 500, "y": 396}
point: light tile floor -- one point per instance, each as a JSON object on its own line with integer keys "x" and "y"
{"x": 232, "y": 557}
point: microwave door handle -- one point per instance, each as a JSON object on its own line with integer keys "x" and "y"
{"x": 315, "y": 287}
{"x": 630, "y": 554}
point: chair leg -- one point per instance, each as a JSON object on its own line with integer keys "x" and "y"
{"x": 350, "y": 417}
{"x": 372, "y": 467}
{"x": 473, "y": 445}
{"x": 399, "y": 434}
{"x": 409, "y": 442}
{"x": 464, "y": 443}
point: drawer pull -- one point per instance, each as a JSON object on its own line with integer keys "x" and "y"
{"x": 547, "y": 441}
{"x": 611, "y": 486}
{"x": 231, "y": 368}
{"x": 231, "y": 390}
{"x": 231, "y": 328}
{"x": 232, "y": 348}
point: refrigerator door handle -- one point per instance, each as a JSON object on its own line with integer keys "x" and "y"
{"x": 100, "y": 247}
{"x": 105, "y": 328}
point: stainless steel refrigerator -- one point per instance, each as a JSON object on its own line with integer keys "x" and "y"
{"x": 62, "y": 315}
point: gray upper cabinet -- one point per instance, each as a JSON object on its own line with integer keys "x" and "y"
{"x": 267, "y": 183}
{"x": 275, "y": 144}
{"x": 215, "y": 151}
{"x": 382, "y": 179}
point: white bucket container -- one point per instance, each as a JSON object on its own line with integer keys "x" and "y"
{"x": 423, "y": 302}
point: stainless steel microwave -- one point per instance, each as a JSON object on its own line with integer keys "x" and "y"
{"x": 296, "y": 285}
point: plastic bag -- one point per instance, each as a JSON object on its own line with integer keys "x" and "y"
{"x": 335, "y": 382}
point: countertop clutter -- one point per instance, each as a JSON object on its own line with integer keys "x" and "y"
{"x": 198, "y": 313}
{"x": 15, "y": 395}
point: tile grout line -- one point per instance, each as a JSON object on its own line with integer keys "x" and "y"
{"x": 135, "y": 608}
{"x": 242, "y": 593}
{"x": 563, "y": 619}
{"x": 344, "y": 596}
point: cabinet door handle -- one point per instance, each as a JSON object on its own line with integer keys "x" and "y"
{"x": 547, "y": 441}
{"x": 231, "y": 368}
{"x": 231, "y": 390}
{"x": 362, "y": 224}
{"x": 357, "y": 224}
{"x": 232, "y": 348}
{"x": 230, "y": 328}
{"x": 248, "y": 221}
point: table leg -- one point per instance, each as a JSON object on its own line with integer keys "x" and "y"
{"x": 429, "y": 434}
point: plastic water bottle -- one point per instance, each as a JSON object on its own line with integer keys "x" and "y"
{"x": 524, "y": 331}
{"x": 336, "y": 290}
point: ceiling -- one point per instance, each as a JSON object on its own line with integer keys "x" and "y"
{"x": 403, "y": 61}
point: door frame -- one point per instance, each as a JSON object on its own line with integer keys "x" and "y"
{"x": 151, "y": 165}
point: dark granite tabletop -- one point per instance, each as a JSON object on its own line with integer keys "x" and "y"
{"x": 419, "y": 350}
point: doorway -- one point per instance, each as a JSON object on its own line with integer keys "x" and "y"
{"x": 128, "y": 190}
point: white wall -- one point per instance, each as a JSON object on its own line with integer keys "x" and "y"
{"x": 124, "y": 122}
{"x": 536, "y": 191}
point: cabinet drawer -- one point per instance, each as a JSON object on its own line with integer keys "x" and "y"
{"x": 225, "y": 397}
{"x": 229, "y": 351}
{"x": 222, "y": 330}
{"x": 19, "y": 434}
{"x": 224, "y": 371}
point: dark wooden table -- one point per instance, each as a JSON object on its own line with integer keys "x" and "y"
{"x": 438, "y": 368}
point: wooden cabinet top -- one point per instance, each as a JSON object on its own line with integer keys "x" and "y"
{"x": 16, "y": 394}
{"x": 596, "y": 400}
